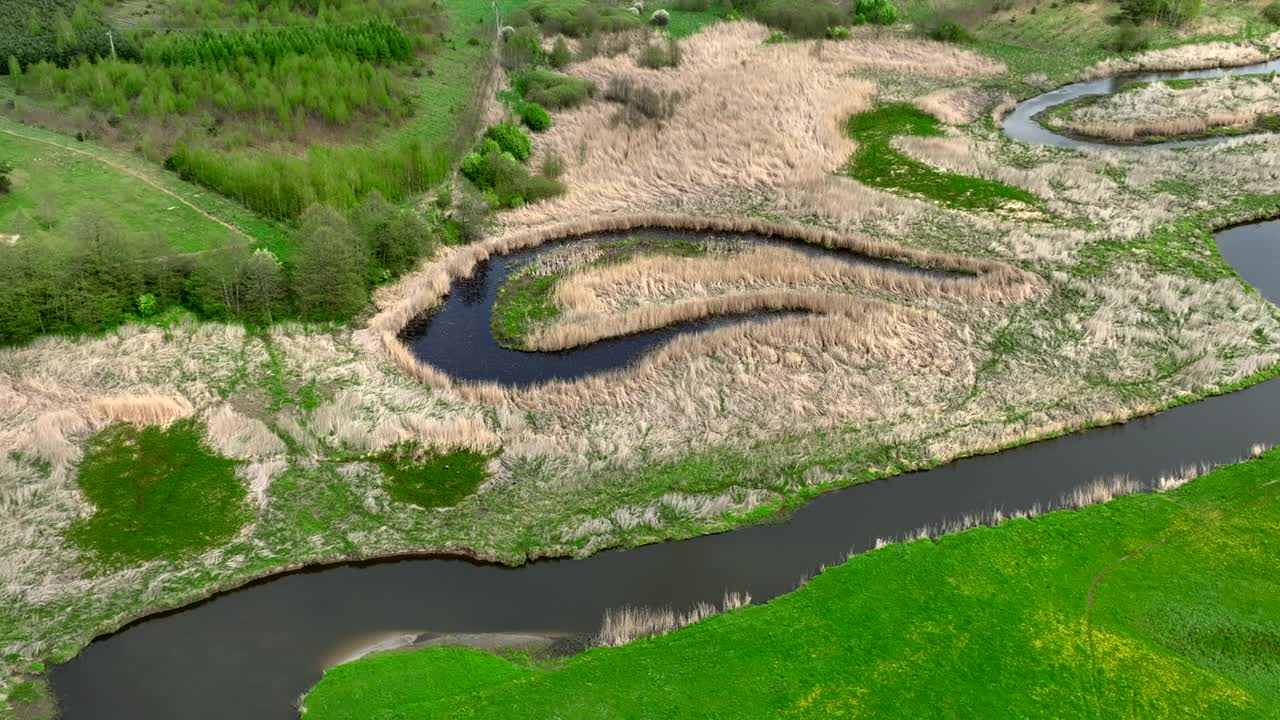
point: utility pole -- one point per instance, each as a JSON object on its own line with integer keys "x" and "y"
{"x": 112, "y": 40}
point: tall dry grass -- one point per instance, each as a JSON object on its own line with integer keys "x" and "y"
{"x": 954, "y": 106}
{"x": 628, "y": 624}
{"x": 1160, "y": 110}
{"x": 1189, "y": 57}
{"x": 753, "y": 118}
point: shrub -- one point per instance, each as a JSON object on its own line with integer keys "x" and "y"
{"x": 553, "y": 166}
{"x": 282, "y": 186}
{"x": 1271, "y": 13}
{"x": 1170, "y": 12}
{"x": 540, "y": 187}
{"x": 581, "y": 18}
{"x": 511, "y": 139}
{"x": 551, "y": 89}
{"x": 536, "y": 117}
{"x": 949, "y": 31}
{"x": 561, "y": 56}
{"x": 660, "y": 55}
{"x": 147, "y": 305}
{"x": 471, "y": 213}
{"x": 6, "y": 185}
{"x": 807, "y": 19}
{"x": 1129, "y": 38}
{"x": 641, "y": 103}
{"x": 839, "y": 32}
{"x": 475, "y": 169}
{"x": 661, "y": 18}
{"x": 876, "y": 12}
{"x": 522, "y": 49}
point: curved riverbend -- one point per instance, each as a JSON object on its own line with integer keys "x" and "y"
{"x": 250, "y": 653}
{"x": 456, "y": 338}
{"x": 1021, "y": 125}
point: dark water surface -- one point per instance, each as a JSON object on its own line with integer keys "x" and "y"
{"x": 250, "y": 653}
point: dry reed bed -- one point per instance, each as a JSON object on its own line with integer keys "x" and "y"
{"x": 1160, "y": 110}
{"x": 1190, "y": 57}
{"x": 426, "y": 288}
{"x": 955, "y": 106}
{"x": 753, "y": 118}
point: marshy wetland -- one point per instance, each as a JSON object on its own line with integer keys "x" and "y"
{"x": 584, "y": 323}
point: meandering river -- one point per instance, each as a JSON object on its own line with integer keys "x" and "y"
{"x": 250, "y": 653}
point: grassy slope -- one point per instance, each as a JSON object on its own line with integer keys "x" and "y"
{"x": 53, "y": 172}
{"x": 993, "y": 622}
{"x": 1059, "y": 38}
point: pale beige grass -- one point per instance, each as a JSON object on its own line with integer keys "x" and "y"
{"x": 1190, "y": 57}
{"x": 1160, "y": 110}
{"x": 753, "y": 118}
{"x": 954, "y": 106}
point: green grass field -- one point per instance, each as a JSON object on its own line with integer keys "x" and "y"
{"x": 1150, "y": 606}
{"x": 55, "y": 177}
{"x": 51, "y": 184}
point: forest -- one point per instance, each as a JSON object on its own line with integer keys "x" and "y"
{"x": 102, "y": 275}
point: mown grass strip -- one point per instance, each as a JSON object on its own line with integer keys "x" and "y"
{"x": 993, "y": 622}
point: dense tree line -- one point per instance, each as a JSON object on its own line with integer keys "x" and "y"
{"x": 376, "y": 41}
{"x": 56, "y": 31}
{"x": 283, "y": 186}
{"x": 97, "y": 275}
{"x": 332, "y": 87}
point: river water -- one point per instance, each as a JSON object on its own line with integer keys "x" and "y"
{"x": 250, "y": 653}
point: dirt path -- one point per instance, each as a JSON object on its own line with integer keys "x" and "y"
{"x": 135, "y": 175}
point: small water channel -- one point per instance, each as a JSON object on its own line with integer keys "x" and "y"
{"x": 456, "y": 337}
{"x": 1021, "y": 125}
{"x": 250, "y": 653}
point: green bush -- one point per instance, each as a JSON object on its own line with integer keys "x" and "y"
{"x": 282, "y": 186}
{"x": 1271, "y": 13}
{"x": 560, "y": 55}
{"x": 552, "y": 90}
{"x": 949, "y": 31}
{"x": 839, "y": 32}
{"x": 536, "y": 117}
{"x": 1129, "y": 38}
{"x": 581, "y": 18}
{"x": 511, "y": 139}
{"x": 660, "y": 54}
{"x": 875, "y": 12}
{"x": 802, "y": 18}
{"x": 1169, "y": 12}
{"x": 147, "y": 305}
